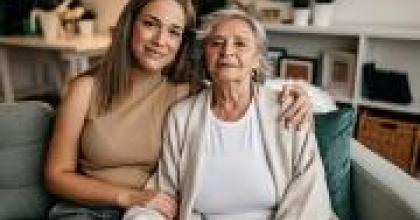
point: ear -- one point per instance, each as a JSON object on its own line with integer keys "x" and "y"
{"x": 257, "y": 64}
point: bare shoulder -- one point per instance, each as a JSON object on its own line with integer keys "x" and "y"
{"x": 78, "y": 94}
{"x": 81, "y": 84}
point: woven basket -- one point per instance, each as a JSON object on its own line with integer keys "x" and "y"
{"x": 391, "y": 138}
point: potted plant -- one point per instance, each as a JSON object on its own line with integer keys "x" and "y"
{"x": 301, "y": 12}
{"x": 322, "y": 12}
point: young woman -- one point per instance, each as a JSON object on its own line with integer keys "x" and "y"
{"x": 107, "y": 137}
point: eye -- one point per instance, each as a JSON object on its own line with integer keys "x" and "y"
{"x": 148, "y": 23}
{"x": 176, "y": 33}
{"x": 215, "y": 42}
{"x": 240, "y": 44}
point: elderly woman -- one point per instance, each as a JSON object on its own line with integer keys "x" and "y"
{"x": 224, "y": 155}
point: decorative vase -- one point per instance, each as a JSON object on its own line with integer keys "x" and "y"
{"x": 322, "y": 14}
{"x": 86, "y": 27}
{"x": 50, "y": 23}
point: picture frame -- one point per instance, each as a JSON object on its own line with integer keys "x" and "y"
{"x": 298, "y": 68}
{"x": 274, "y": 12}
{"x": 274, "y": 54}
{"x": 338, "y": 73}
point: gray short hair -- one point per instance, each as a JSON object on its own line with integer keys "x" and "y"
{"x": 211, "y": 20}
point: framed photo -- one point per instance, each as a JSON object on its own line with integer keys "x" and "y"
{"x": 298, "y": 68}
{"x": 338, "y": 73}
{"x": 273, "y": 12}
{"x": 274, "y": 54}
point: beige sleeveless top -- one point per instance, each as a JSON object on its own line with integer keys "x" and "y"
{"x": 122, "y": 146}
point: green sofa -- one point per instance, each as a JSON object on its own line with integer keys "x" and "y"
{"x": 380, "y": 191}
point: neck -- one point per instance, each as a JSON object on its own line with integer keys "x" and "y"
{"x": 139, "y": 76}
{"x": 144, "y": 83}
{"x": 231, "y": 100}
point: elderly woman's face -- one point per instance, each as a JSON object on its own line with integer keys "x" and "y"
{"x": 231, "y": 51}
{"x": 157, "y": 34}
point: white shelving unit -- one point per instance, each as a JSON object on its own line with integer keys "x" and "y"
{"x": 396, "y": 48}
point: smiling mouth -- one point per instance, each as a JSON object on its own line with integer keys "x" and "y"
{"x": 155, "y": 53}
{"x": 226, "y": 65}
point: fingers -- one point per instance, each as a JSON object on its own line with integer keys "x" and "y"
{"x": 170, "y": 206}
{"x": 285, "y": 108}
{"x": 296, "y": 107}
{"x": 294, "y": 112}
{"x": 165, "y": 204}
{"x": 306, "y": 121}
{"x": 285, "y": 93}
{"x": 302, "y": 118}
{"x": 286, "y": 101}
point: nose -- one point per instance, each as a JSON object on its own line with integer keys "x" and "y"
{"x": 159, "y": 37}
{"x": 228, "y": 49}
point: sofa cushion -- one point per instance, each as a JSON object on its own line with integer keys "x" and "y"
{"x": 334, "y": 131}
{"x": 24, "y": 132}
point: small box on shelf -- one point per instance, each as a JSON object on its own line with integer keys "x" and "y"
{"x": 386, "y": 85}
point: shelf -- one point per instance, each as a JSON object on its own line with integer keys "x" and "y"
{"x": 386, "y": 32}
{"x": 410, "y": 108}
{"x": 389, "y": 46}
{"x": 345, "y": 100}
{"x": 406, "y": 33}
{"x": 331, "y": 30}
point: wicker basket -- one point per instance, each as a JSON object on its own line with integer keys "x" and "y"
{"x": 415, "y": 169}
{"x": 391, "y": 138}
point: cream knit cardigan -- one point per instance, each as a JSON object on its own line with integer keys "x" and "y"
{"x": 292, "y": 156}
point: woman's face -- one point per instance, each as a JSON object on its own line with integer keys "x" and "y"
{"x": 157, "y": 34}
{"x": 231, "y": 51}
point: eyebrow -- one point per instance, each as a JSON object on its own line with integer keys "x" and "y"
{"x": 240, "y": 37}
{"x": 157, "y": 19}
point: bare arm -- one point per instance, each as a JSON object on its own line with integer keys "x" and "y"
{"x": 61, "y": 176}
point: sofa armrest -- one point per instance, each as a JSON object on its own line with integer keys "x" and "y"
{"x": 381, "y": 190}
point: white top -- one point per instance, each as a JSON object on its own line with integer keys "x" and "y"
{"x": 293, "y": 157}
{"x": 237, "y": 177}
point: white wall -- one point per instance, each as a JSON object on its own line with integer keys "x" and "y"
{"x": 370, "y": 12}
{"x": 107, "y": 11}
{"x": 378, "y": 12}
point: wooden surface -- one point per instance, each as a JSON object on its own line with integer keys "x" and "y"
{"x": 74, "y": 44}
{"x": 75, "y": 50}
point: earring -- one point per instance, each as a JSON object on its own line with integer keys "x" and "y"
{"x": 255, "y": 74}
